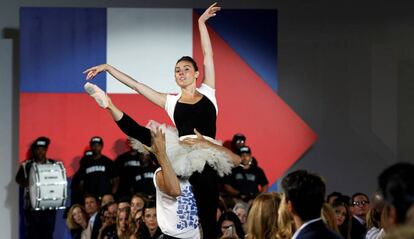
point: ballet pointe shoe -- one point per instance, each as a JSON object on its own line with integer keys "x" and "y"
{"x": 98, "y": 94}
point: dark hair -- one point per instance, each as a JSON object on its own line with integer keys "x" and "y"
{"x": 231, "y": 216}
{"x": 90, "y": 195}
{"x": 345, "y": 228}
{"x": 356, "y": 195}
{"x": 333, "y": 194}
{"x": 306, "y": 192}
{"x": 124, "y": 199}
{"x": 397, "y": 186}
{"x": 189, "y": 59}
{"x": 150, "y": 204}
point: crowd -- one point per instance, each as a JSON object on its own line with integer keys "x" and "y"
{"x": 116, "y": 199}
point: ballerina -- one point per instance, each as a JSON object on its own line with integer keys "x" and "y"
{"x": 191, "y": 147}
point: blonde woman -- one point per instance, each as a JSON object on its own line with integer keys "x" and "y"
{"x": 123, "y": 229}
{"x": 263, "y": 216}
{"x": 329, "y": 217}
{"x": 285, "y": 221}
{"x": 77, "y": 222}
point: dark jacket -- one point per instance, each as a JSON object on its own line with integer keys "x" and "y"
{"x": 317, "y": 230}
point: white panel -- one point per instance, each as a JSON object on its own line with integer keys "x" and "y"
{"x": 9, "y": 189}
{"x": 146, "y": 44}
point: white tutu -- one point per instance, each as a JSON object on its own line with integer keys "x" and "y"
{"x": 185, "y": 159}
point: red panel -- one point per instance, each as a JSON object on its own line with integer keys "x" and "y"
{"x": 70, "y": 120}
{"x": 276, "y": 134}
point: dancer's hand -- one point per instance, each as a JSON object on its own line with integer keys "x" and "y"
{"x": 210, "y": 12}
{"x": 199, "y": 140}
{"x": 158, "y": 142}
{"x": 93, "y": 71}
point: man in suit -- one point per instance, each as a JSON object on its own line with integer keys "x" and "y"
{"x": 359, "y": 208}
{"x": 304, "y": 196}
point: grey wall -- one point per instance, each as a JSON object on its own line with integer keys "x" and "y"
{"x": 346, "y": 69}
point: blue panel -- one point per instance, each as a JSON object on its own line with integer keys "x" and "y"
{"x": 253, "y": 35}
{"x": 57, "y": 44}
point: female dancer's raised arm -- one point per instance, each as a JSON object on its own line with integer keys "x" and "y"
{"x": 209, "y": 75}
{"x": 149, "y": 93}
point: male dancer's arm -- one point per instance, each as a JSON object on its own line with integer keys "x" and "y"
{"x": 166, "y": 179}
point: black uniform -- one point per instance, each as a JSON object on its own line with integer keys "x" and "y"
{"x": 96, "y": 175}
{"x": 39, "y": 224}
{"x": 246, "y": 181}
{"x": 127, "y": 164}
{"x": 143, "y": 180}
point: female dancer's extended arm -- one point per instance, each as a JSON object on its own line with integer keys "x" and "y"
{"x": 209, "y": 75}
{"x": 149, "y": 93}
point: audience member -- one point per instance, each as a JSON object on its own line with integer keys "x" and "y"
{"x": 359, "y": 209}
{"x": 305, "y": 195}
{"x": 329, "y": 217}
{"x": 122, "y": 224}
{"x": 285, "y": 221}
{"x": 229, "y": 225}
{"x": 107, "y": 198}
{"x": 77, "y": 222}
{"x": 109, "y": 215}
{"x": 240, "y": 209}
{"x": 397, "y": 186}
{"x": 263, "y": 217}
{"x": 92, "y": 207}
{"x": 332, "y": 197}
{"x": 343, "y": 217}
{"x": 150, "y": 229}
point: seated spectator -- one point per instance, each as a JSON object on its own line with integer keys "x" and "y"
{"x": 397, "y": 186}
{"x": 329, "y": 217}
{"x": 109, "y": 215}
{"x": 332, "y": 197}
{"x": 107, "y": 198}
{"x": 263, "y": 217}
{"x": 137, "y": 206}
{"x": 150, "y": 229}
{"x": 305, "y": 195}
{"x": 246, "y": 181}
{"x": 77, "y": 222}
{"x": 359, "y": 209}
{"x": 123, "y": 203}
{"x": 240, "y": 209}
{"x": 343, "y": 217}
{"x": 229, "y": 225}
{"x": 222, "y": 208}
{"x": 285, "y": 221}
{"x": 122, "y": 224}
{"x": 91, "y": 205}
{"x": 374, "y": 226}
